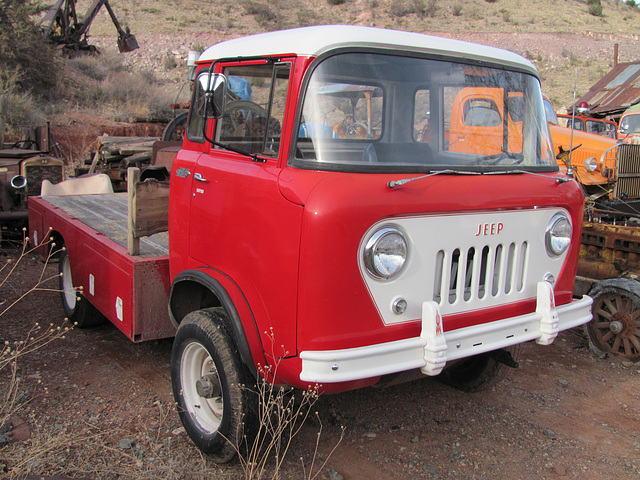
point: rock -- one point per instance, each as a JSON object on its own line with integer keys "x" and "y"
{"x": 126, "y": 444}
{"x": 6, "y": 427}
{"x": 549, "y": 433}
{"x": 333, "y": 475}
{"x": 560, "y": 471}
{"x": 430, "y": 470}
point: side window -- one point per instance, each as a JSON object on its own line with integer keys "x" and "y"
{"x": 254, "y": 108}
{"x": 481, "y": 112}
{"x": 195, "y": 122}
{"x": 421, "y": 117}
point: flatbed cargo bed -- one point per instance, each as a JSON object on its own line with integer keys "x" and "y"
{"x": 107, "y": 215}
{"x": 130, "y": 290}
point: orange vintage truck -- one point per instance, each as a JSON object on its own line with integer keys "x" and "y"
{"x": 609, "y": 174}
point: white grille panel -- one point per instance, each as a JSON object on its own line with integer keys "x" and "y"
{"x": 466, "y": 262}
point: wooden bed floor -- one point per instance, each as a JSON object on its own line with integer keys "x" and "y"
{"x": 106, "y": 213}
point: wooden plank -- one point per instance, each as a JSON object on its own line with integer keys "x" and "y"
{"x": 152, "y": 207}
{"x": 133, "y": 241}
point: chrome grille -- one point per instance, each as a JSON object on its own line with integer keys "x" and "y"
{"x": 628, "y": 163}
{"x": 465, "y": 275}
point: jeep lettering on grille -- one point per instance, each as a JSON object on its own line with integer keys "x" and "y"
{"x": 489, "y": 228}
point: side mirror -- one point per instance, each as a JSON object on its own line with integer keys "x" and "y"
{"x": 214, "y": 87}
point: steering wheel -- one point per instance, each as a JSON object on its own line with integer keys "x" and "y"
{"x": 237, "y": 114}
{"x": 25, "y": 144}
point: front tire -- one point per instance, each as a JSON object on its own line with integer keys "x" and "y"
{"x": 76, "y": 307}
{"x": 481, "y": 372}
{"x": 211, "y": 386}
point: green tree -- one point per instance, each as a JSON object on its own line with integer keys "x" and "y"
{"x": 27, "y": 63}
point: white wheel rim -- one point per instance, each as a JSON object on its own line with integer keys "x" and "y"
{"x": 69, "y": 291}
{"x": 195, "y": 364}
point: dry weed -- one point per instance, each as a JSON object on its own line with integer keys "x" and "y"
{"x": 282, "y": 413}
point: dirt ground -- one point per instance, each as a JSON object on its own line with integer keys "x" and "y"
{"x": 97, "y": 406}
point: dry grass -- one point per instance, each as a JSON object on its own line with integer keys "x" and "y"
{"x": 228, "y": 19}
{"x": 108, "y": 88}
{"x": 251, "y": 16}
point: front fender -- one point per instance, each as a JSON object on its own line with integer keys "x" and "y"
{"x": 195, "y": 289}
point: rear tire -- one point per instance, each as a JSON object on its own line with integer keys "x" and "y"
{"x": 212, "y": 387}
{"x": 480, "y": 372}
{"x": 76, "y": 307}
{"x": 174, "y": 131}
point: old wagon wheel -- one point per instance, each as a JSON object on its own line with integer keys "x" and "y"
{"x": 615, "y": 327}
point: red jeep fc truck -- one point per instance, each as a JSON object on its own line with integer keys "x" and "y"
{"x": 328, "y": 226}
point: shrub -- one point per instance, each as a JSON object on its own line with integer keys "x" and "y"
{"x": 595, "y": 7}
{"x": 399, "y": 8}
{"x": 26, "y": 61}
{"x": 22, "y": 110}
{"x": 335, "y": 2}
{"x": 428, "y": 10}
{"x": 456, "y": 10}
{"x": 262, "y": 12}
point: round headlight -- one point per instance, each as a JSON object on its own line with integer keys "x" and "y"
{"x": 385, "y": 253}
{"x": 558, "y": 235}
{"x": 590, "y": 164}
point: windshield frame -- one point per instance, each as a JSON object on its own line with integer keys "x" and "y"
{"x": 295, "y": 161}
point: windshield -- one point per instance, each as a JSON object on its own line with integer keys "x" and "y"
{"x": 630, "y": 124}
{"x": 379, "y": 112}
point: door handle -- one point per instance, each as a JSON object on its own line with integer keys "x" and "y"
{"x": 199, "y": 178}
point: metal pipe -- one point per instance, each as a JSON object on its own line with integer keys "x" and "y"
{"x": 18, "y": 182}
{"x": 14, "y": 215}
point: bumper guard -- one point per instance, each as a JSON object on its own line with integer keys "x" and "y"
{"x": 435, "y": 347}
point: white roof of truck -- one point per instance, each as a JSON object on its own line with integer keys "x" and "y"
{"x": 317, "y": 40}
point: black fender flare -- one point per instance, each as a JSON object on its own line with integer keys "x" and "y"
{"x": 235, "y": 323}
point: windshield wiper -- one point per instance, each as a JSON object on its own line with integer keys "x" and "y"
{"x": 399, "y": 183}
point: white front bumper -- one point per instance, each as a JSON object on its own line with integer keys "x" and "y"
{"x": 434, "y": 347}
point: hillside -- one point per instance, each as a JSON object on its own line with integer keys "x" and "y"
{"x": 559, "y": 37}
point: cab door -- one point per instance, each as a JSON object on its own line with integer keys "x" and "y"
{"x": 241, "y": 228}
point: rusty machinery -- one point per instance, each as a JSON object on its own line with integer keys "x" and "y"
{"x": 24, "y": 165}
{"x": 609, "y": 267}
{"x": 61, "y": 26}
